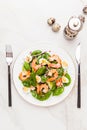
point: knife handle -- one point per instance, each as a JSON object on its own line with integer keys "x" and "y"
{"x": 9, "y": 88}
{"x": 79, "y": 88}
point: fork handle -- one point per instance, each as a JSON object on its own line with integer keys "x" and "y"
{"x": 9, "y": 88}
{"x": 79, "y": 88}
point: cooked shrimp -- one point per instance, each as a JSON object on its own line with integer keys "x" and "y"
{"x": 24, "y": 75}
{"x": 54, "y": 65}
{"x": 34, "y": 65}
{"x": 42, "y": 87}
{"x": 56, "y": 58}
{"x": 54, "y": 73}
{"x": 59, "y": 82}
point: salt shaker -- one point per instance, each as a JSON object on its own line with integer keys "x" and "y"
{"x": 74, "y": 27}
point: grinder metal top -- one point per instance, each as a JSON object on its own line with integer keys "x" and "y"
{"x": 75, "y": 24}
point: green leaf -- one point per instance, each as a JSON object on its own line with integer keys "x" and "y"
{"x": 43, "y": 79}
{"x": 69, "y": 78}
{"x": 43, "y": 55}
{"x": 36, "y": 52}
{"x": 52, "y": 85}
{"x": 41, "y": 71}
{"x": 38, "y": 58}
{"x": 33, "y": 79}
{"x": 30, "y": 81}
{"x": 46, "y": 55}
{"x": 26, "y": 66}
{"x": 60, "y": 71}
{"x": 58, "y": 91}
{"x": 26, "y": 83}
{"x": 34, "y": 94}
{"x": 41, "y": 97}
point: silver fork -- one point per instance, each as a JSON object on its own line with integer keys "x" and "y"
{"x": 9, "y": 58}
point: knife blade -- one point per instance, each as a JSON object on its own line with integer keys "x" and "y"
{"x": 78, "y": 53}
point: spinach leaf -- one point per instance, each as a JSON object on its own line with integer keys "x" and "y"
{"x": 26, "y": 66}
{"x": 41, "y": 97}
{"x": 69, "y": 78}
{"x": 43, "y": 79}
{"x": 46, "y": 55}
{"x": 60, "y": 71}
{"x": 26, "y": 83}
{"x": 52, "y": 85}
{"x": 30, "y": 81}
{"x": 36, "y": 52}
{"x": 41, "y": 71}
{"x": 58, "y": 91}
{"x": 38, "y": 58}
{"x": 33, "y": 79}
{"x": 43, "y": 55}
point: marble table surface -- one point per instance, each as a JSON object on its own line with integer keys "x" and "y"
{"x": 23, "y": 22}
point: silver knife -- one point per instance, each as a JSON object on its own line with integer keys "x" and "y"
{"x": 79, "y": 77}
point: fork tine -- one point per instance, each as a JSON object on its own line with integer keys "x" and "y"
{"x": 8, "y": 48}
{"x": 9, "y": 51}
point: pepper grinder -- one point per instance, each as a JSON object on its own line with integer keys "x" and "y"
{"x": 73, "y": 27}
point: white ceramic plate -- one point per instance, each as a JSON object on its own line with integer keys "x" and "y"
{"x": 54, "y": 99}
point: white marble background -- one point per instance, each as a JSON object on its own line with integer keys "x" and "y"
{"x": 21, "y": 23}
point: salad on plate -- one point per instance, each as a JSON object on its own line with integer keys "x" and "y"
{"x": 44, "y": 75}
